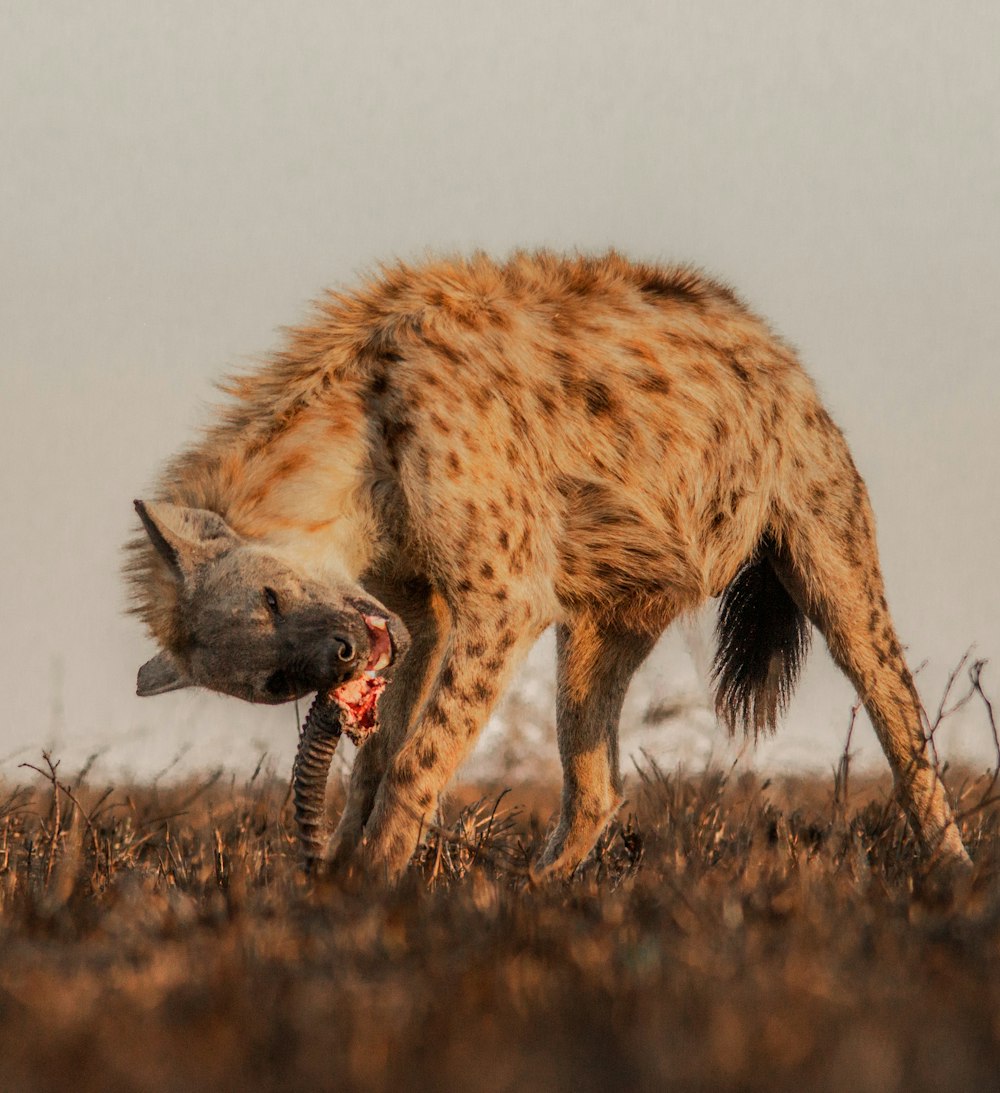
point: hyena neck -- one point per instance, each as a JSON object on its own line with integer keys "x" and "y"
{"x": 304, "y": 499}
{"x": 299, "y": 494}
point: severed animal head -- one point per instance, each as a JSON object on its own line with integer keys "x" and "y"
{"x": 240, "y": 620}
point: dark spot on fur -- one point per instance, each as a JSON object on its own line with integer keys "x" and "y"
{"x": 667, "y": 286}
{"x": 497, "y": 316}
{"x": 654, "y": 383}
{"x": 448, "y": 677}
{"x": 443, "y": 349}
{"x": 501, "y": 594}
{"x": 503, "y": 538}
{"x": 519, "y": 421}
{"x": 454, "y": 465}
{"x": 547, "y": 403}
{"x": 597, "y": 396}
{"x": 567, "y": 368}
{"x": 486, "y": 571}
{"x": 428, "y": 759}
{"x": 475, "y": 648}
{"x": 739, "y": 370}
{"x": 403, "y": 774}
{"x": 288, "y": 466}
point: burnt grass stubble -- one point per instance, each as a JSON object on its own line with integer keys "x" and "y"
{"x": 728, "y": 932}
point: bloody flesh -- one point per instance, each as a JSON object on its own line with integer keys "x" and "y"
{"x": 358, "y": 698}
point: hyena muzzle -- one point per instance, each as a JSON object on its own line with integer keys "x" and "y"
{"x": 457, "y": 455}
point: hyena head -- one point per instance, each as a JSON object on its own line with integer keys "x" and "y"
{"x": 245, "y": 623}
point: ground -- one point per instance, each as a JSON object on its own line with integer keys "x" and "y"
{"x": 730, "y": 933}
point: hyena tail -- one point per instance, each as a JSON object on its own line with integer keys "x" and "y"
{"x": 763, "y": 638}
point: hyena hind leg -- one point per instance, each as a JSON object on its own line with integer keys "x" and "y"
{"x": 427, "y": 619}
{"x": 829, "y": 564}
{"x": 595, "y": 666}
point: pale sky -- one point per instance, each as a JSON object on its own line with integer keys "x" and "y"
{"x": 178, "y": 180}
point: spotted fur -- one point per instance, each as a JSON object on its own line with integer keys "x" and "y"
{"x": 493, "y": 447}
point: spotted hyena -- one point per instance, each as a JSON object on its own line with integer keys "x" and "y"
{"x": 459, "y": 454}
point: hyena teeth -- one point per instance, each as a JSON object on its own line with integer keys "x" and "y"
{"x": 382, "y": 662}
{"x": 375, "y": 622}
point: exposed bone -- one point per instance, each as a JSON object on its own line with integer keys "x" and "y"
{"x": 318, "y": 741}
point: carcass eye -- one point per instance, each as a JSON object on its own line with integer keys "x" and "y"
{"x": 271, "y": 599}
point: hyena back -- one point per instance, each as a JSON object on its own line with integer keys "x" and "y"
{"x": 486, "y": 449}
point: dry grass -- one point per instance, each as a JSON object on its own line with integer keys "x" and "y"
{"x": 728, "y": 934}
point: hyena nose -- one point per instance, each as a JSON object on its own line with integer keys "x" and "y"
{"x": 342, "y": 652}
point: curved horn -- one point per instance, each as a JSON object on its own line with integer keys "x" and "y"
{"x": 317, "y": 743}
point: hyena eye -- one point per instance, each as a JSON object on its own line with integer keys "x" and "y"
{"x": 271, "y": 599}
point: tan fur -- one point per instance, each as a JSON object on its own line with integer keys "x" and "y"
{"x": 491, "y": 448}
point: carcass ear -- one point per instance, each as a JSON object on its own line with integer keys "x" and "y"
{"x": 185, "y": 537}
{"x": 159, "y": 675}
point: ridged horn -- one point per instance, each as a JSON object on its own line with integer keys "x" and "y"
{"x": 318, "y": 741}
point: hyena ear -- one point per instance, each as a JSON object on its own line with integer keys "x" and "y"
{"x": 159, "y": 675}
{"x": 185, "y": 537}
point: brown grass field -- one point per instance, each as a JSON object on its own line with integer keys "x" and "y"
{"x": 729, "y": 933}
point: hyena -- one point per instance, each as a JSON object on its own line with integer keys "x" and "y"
{"x": 459, "y": 454}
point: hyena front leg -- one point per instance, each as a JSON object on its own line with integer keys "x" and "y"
{"x": 595, "y": 664}
{"x": 830, "y": 566}
{"x": 482, "y": 650}
{"x": 425, "y": 614}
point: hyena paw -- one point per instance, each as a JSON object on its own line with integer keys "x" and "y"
{"x": 388, "y": 845}
{"x": 345, "y": 843}
{"x": 555, "y": 862}
{"x": 341, "y": 852}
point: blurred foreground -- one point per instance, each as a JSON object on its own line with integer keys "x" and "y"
{"x": 728, "y": 933}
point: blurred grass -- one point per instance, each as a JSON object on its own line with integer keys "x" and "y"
{"x": 729, "y": 933}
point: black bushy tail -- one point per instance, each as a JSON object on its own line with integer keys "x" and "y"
{"x": 763, "y": 639}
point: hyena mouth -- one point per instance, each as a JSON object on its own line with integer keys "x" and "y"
{"x": 358, "y": 698}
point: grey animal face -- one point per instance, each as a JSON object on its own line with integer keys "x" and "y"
{"x": 251, "y": 626}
